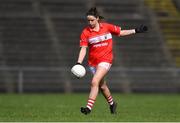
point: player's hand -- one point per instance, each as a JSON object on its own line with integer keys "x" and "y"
{"x": 141, "y": 29}
{"x": 78, "y": 63}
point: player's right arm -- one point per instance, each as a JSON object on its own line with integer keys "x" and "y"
{"x": 83, "y": 47}
{"x": 82, "y": 54}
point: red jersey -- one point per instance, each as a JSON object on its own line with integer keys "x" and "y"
{"x": 99, "y": 43}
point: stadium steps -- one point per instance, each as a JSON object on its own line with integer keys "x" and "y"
{"x": 169, "y": 24}
{"x": 26, "y": 42}
{"x": 120, "y": 9}
{"x": 171, "y": 30}
{"x": 63, "y": 9}
{"x": 163, "y": 7}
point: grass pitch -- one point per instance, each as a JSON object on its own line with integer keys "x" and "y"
{"x": 66, "y": 108}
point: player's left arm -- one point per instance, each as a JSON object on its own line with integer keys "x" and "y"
{"x": 127, "y": 32}
{"x": 140, "y": 29}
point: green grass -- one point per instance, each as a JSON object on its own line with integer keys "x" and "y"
{"x": 66, "y": 108}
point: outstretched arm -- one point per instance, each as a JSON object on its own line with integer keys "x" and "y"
{"x": 140, "y": 29}
{"x": 127, "y": 32}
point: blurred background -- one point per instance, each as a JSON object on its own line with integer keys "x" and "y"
{"x": 39, "y": 43}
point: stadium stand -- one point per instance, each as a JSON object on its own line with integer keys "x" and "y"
{"x": 177, "y": 4}
{"x": 16, "y": 7}
{"x": 171, "y": 30}
{"x": 39, "y": 42}
{"x": 64, "y": 9}
{"x": 163, "y": 7}
{"x": 116, "y": 9}
{"x": 169, "y": 25}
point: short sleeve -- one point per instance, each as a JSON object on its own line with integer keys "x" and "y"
{"x": 83, "y": 40}
{"x": 114, "y": 29}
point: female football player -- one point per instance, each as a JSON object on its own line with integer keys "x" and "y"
{"x": 97, "y": 36}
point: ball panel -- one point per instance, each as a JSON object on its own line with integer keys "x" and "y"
{"x": 78, "y": 70}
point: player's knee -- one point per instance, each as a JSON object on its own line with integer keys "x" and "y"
{"x": 94, "y": 83}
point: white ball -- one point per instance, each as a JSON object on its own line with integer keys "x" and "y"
{"x": 78, "y": 70}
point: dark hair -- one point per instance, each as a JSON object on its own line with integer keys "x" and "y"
{"x": 94, "y": 12}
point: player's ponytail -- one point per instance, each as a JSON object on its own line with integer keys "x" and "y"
{"x": 94, "y": 12}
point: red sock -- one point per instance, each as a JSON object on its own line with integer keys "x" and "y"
{"x": 110, "y": 100}
{"x": 90, "y": 103}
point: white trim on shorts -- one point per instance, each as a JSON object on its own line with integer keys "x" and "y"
{"x": 105, "y": 65}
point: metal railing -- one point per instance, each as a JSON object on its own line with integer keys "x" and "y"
{"x": 116, "y": 75}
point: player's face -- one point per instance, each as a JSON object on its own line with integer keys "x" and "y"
{"x": 92, "y": 21}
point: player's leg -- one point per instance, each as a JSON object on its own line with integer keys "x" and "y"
{"x": 107, "y": 94}
{"x": 99, "y": 74}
